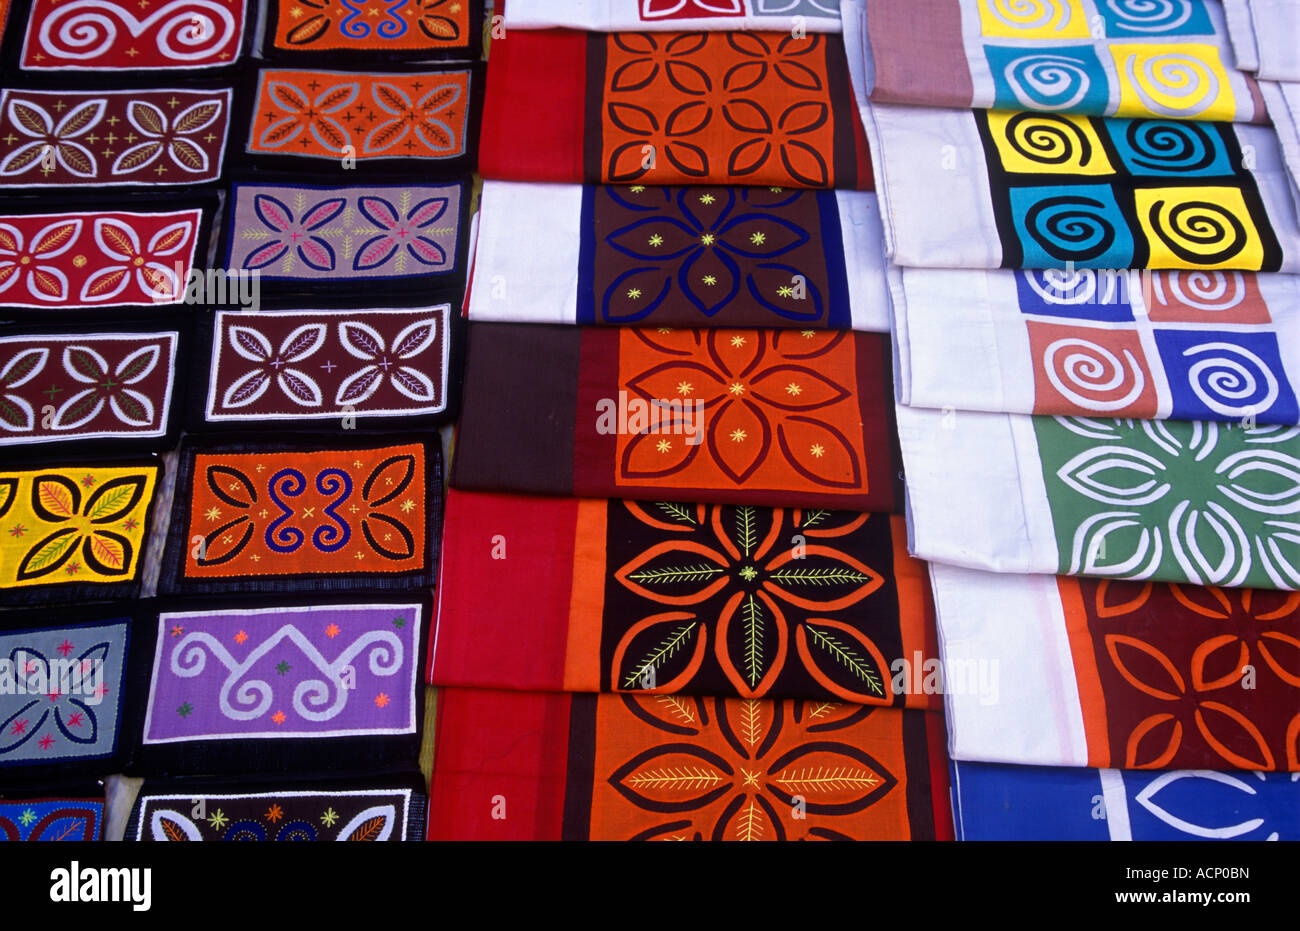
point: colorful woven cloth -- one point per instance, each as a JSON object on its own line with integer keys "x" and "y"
{"x": 320, "y": 517}
{"x": 306, "y": 366}
{"x": 94, "y": 259}
{"x": 528, "y": 766}
{"x": 1193, "y": 345}
{"x": 61, "y": 386}
{"x": 1177, "y": 501}
{"x": 349, "y": 237}
{"x": 1096, "y": 57}
{"x": 675, "y": 598}
{"x": 51, "y": 819}
{"x": 1263, "y": 34}
{"x": 774, "y": 417}
{"x": 295, "y": 684}
{"x": 333, "y": 32}
{"x": 62, "y": 685}
{"x": 620, "y": 15}
{"x": 1139, "y": 675}
{"x": 202, "y": 812}
{"x": 761, "y": 108}
{"x": 75, "y": 531}
{"x": 678, "y": 256}
{"x": 992, "y": 802}
{"x": 1040, "y": 190}
{"x": 176, "y": 137}
{"x": 121, "y": 36}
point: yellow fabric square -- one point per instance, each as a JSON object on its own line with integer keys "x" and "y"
{"x": 1033, "y": 19}
{"x": 1183, "y": 81}
{"x": 1048, "y": 143}
{"x": 1199, "y": 227}
{"x": 73, "y": 525}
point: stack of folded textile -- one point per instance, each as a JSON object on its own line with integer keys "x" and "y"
{"x": 1093, "y": 251}
{"x": 675, "y": 600}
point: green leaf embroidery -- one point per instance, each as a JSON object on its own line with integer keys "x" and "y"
{"x": 81, "y": 408}
{"x": 847, "y": 657}
{"x": 812, "y": 518}
{"x": 11, "y": 413}
{"x": 811, "y": 779}
{"x": 51, "y": 551}
{"x": 674, "y": 777}
{"x": 678, "y": 512}
{"x": 673, "y": 574}
{"x": 813, "y": 576}
{"x": 660, "y": 654}
{"x": 135, "y": 368}
{"x": 745, "y": 526}
{"x": 753, "y": 640}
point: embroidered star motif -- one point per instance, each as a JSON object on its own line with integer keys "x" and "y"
{"x": 785, "y": 291}
{"x": 736, "y": 388}
{"x": 751, "y": 779}
{"x": 656, "y": 240}
{"x": 685, "y": 387}
{"x": 707, "y": 198}
{"x": 637, "y": 188}
{"x": 278, "y": 717}
{"x": 758, "y": 238}
{"x": 749, "y": 573}
{"x": 282, "y": 667}
{"x": 634, "y": 293}
{"x": 664, "y": 329}
{"x": 218, "y": 819}
{"x": 75, "y": 720}
{"x": 709, "y": 280}
{"x": 88, "y": 481}
{"x": 332, "y": 631}
{"x": 399, "y": 622}
{"x": 17, "y": 530}
{"x": 212, "y": 513}
{"x": 131, "y": 523}
{"x": 793, "y": 389}
{"x": 737, "y": 435}
{"x": 27, "y": 817}
{"x": 807, "y": 334}
{"x": 663, "y": 446}
{"x": 274, "y": 814}
{"x": 737, "y": 341}
{"x": 407, "y": 506}
{"x": 707, "y": 239}
{"x": 65, "y": 647}
{"x": 177, "y": 630}
{"x": 329, "y": 817}
{"x": 46, "y": 742}
{"x": 20, "y": 727}
{"x": 185, "y": 710}
{"x": 818, "y": 450}
{"x": 382, "y": 700}
{"x": 73, "y": 568}
{"x": 241, "y": 637}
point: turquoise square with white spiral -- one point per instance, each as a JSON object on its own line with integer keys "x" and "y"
{"x": 1079, "y": 223}
{"x": 1064, "y": 79}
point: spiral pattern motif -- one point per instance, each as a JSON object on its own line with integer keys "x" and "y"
{"x": 1165, "y": 145}
{"x": 1091, "y": 376}
{"x": 1201, "y": 290}
{"x": 1058, "y": 286}
{"x": 1071, "y": 227}
{"x": 1230, "y": 379}
{"x": 187, "y": 30}
{"x": 1030, "y": 14}
{"x": 1172, "y": 83}
{"x": 1048, "y": 140}
{"x": 1047, "y": 82}
{"x": 1151, "y": 15}
{"x": 1198, "y": 231}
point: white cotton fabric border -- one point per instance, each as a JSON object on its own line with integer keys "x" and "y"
{"x": 625, "y": 16}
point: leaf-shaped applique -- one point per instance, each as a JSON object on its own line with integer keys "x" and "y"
{"x": 22, "y": 158}
{"x": 147, "y": 118}
{"x": 115, "y": 499}
{"x": 64, "y": 827}
{"x": 55, "y": 498}
{"x": 265, "y": 255}
{"x": 674, "y": 777}
{"x": 299, "y": 387}
{"x": 379, "y": 210}
{"x": 246, "y": 389}
{"x": 1282, "y": 654}
{"x": 375, "y": 527}
{"x": 16, "y": 414}
{"x": 374, "y": 252}
{"x": 274, "y": 212}
{"x": 329, "y": 133}
{"x": 426, "y": 251}
{"x": 1145, "y": 667}
{"x": 359, "y": 386}
{"x": 196, "y": 117}
{"x": 822, "y": 578}
{"x": 373, "y": 824}
{"x": 1148, "y": 796}
{"x": 137, "y": 157}
{"x": 323, "y": 212}
{"x": 79, "y": 409}
{"x": 338, "y": 97}
{"x": 277, "y": 134}
{"x": 399, "y": 468}
{"x": 1154, "y": 742}
{"x": 47, "y": 283}
{"x": 1210, "y": 544}
{"x": 308, "y": 31}
{"x": 75, "y": 159}
{"x": 107, "y": 553}
{"x": 391, "y": 98}
{"x": 751, "y": 642}
{"x": 844, "y": 661}
{"x": 659, "y": 653}
{"x": 231, "y": 486}
{"x": 250, "y": 343}
{"x": 439, "y": 27}
{"x": 1266, "y": 481}
{"x": 317, "y": 253}
{"x": 48, "y": 554}
{"x": 55, "y": 239}
{"x": 676, "y": 572}
{"x": 167, "y": 825}
{"x": 1116, "y": 475}
{"x": 302, "y": 342}
{"x": 217, "y": 551}
{"x": 427, "y": 211}
{"x": 361, "y": 340}
{"x": 138, "y": 364}
{"x": 287, "y": 96}
{"x": 23, "y": 366}
{"x": 106, "y": 284}
{"x": 415, "y": 338}
{"x": 1232, "y": 735}
{"x": 833, "y": 778}
{"x": 8, "y": 494}
{"x": 385, "y": 135}
{"x": 84, "y": 364}
{"x": 1218, "y": 654}
{"x": 30, "y": 117}
{"x": 413, "y": 383}
{"x": 435, "y": 134}
{"x": 117, "y": 240}
{"x": 188, "y": 155}
{"x": 1116, "y": 543}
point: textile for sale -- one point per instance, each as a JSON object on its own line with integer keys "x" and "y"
{"x": 632, "y": 15}
{"x": 72, "y": 385}
{"x": 1040, "y": 190}
{"x": 1264, "y": 37}
{"x": 679, "y": 256}
{"x": 759, "y": 108}
{"x": 319, "y": 515}
{"x": 533, "y": 766}
{"x": 280, "y": 368}
{"x": 349, "y": 238}
{"x": 680, "y": 598}
{"x": 1058, "y": 671}
{"x": 167, "y": 136}
{"x": 338, "y": 33}
{"x": 1097, "y": 57}
{"x": 1283, "y": 102}
{"x": 287, "y": 685}
{"x": 1205, "y": 345}
{"x": 1168, "y": 500}
{"x": 995, "y": 802}
{"x": 47, "y": 818}
{"x": 192, "y": 811}
{"x": 732, "y": 416}
{"x": 75, "y": 529}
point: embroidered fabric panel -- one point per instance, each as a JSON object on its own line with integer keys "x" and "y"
{"x": 750, "y": 601}
{"x": 85, "y": 385}
{"x": 81, "y": 524}
{"x": 92, "y": 259}
{"x": 282, "y": 365}
{"x": 1195, "y": 678}
{"x": 780, "y": 408}
{"x": 166, "y": 137}
{"x": 307, "y": 513}
{"x": 671, "y": 768}
{"x": 653, "y": 11}
{"x": 358, "y": 815}
{"x": 1201, "y": 502}
{"x": 296, "y": 232}
{"x": 1188, "y": 339}
{"x": 733, "y": 107}
{"x": 64, "y": 819}
{"x": 1114, "y": 193}
{"x": 718, "y": 253}
{"x": 117, "y": 35}
{"x": 414, "y": 25}
{"x": 320, "y": 114}
{"x": 318, "y": 671}
{"x": 63, "y": 693}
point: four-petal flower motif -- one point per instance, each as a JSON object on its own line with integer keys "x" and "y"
{"x": 87, "y": 366}
{"x": 122, "y": 243}
{"x": 420, "y": 117}
{"x": 162, "y": 134}
{"x": 74, "y": 719}
{"x": 44, "y": 282}
{"x": 310, "y": 115}
{"x": 16, "y": 412}
{"x": 275, "y": 366}
{"x": 297, "y": 234}
{"x": 733, "y": 574}
{"x": 48, "y": 139}
{"x": 400, "y": 232}
{"x": 84, "y": 520}
{"x": 365, "y": 342}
